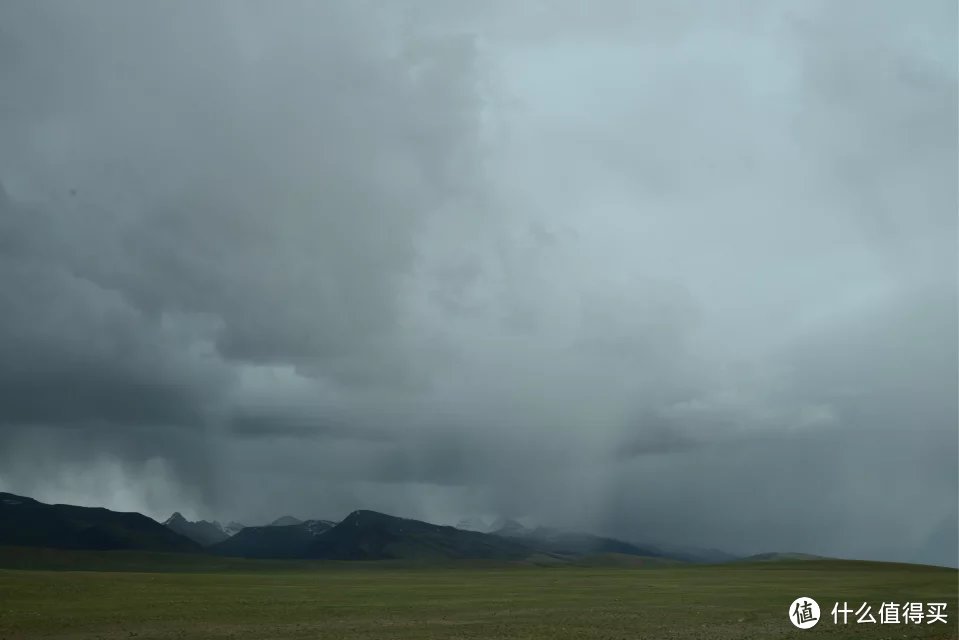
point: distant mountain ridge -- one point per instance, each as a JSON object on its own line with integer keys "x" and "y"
{"x": 369, "y": 535}
{"x": 273, "y": 541}
{"x": 568, "y": 543}
{"x": 209, "y": 533}
{"x": 28, "y": 522}
{"x": 565, "y": 542}
{"x": 779, "y": 556}
{"x": 362, "y": 535}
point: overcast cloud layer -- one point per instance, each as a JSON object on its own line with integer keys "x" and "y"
{"x": 669, "y": 271}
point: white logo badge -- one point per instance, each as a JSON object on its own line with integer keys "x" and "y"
{"x": 804, "y": 613}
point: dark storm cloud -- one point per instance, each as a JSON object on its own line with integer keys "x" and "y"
{"x": 275, "y": 188}
{"x": 74, "y": 352}
{"x": 192, "y": 190}
{"x": 648, "y": 268}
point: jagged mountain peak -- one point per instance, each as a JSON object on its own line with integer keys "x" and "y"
{"x": 203, "y": 532}
{"x": 177, "y": 517}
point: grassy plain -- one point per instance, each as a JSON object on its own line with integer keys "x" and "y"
{"x": 179, "y": 597}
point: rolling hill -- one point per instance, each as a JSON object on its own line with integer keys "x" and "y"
{"x": 780, "y": 556}
{"x": 28, "y": 522}
{"x": 273, "y": 541}
{"x": 368, "y": 535}
{"x": 567, "y": 543}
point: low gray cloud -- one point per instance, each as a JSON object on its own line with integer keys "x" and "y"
{"x": 643, "y": 268}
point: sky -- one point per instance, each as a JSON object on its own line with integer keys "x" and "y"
{"x": 681, "y": 272}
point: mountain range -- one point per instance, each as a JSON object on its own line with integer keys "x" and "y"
{"x": 209, "y": 533}
{"x": 362, "y": 535}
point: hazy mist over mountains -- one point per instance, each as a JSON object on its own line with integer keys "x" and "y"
{"x": 651, "y": 270}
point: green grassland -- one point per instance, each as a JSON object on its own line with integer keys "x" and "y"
{"x": 178, "y": 596}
